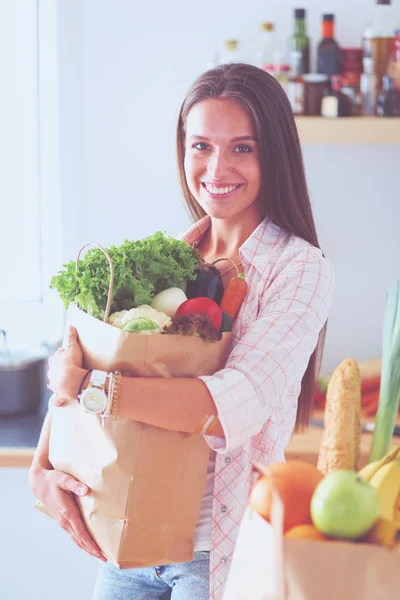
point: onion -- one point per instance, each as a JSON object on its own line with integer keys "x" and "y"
{"x": 168, "y": 300}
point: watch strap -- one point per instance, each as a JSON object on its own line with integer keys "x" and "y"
{"x": 98, "y": 378}
{"x": 84, "y": 378}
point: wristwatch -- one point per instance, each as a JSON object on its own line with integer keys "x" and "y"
{"x": 94, "y": 398}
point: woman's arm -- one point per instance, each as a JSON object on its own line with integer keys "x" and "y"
{"x": 180, "y": 404}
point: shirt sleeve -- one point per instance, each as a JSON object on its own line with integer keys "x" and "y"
{"x": 275, "y": 351}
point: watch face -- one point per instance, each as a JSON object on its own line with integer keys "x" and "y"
{"x": 94, "y": 400}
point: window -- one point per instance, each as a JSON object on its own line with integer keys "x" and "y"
{"x": 30, "y": 236}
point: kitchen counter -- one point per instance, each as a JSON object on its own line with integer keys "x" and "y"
{"x": 19, "y": 435}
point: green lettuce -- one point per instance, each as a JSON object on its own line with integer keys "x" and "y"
{"x": 142, "y": 269}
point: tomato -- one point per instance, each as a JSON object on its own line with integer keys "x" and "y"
{"x": 199, "y": 306}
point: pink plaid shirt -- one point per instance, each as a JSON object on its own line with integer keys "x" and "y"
{"x": 290, "y": 289}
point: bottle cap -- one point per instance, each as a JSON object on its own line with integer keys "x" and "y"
{"x": 299, "y": 13}
{"x": 267, "y": 26}
{"x": 285, "y": 68}
{"x": 231, "y": 44}
{"x": 328, "y": 17}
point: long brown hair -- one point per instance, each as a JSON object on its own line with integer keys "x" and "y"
{"x": 283, "y": 185}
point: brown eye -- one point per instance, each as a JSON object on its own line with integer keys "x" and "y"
{"x": 200, "y": 146}
{"x": 243, "y": 148}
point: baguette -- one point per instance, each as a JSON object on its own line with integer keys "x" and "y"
{"x": 340, "y": 448}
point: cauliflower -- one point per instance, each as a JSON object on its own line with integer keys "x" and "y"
{"x": 148, "y": 320}
{"x": 117, "y": 319}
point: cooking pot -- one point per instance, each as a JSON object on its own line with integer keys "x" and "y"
{"x": 22, "y": 378}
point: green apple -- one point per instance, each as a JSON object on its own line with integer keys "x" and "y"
{"x": 344, "y": 505}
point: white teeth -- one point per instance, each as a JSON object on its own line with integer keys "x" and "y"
{"x": 213, "y": 189}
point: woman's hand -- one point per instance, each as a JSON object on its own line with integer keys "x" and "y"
{"x": 65, "y": 372}
{"x": 57, "y": 490}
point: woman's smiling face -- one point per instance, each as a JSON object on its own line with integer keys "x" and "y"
{"x": 222, "y": 164}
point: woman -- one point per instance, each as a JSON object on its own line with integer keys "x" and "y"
{"x": 243, "y": 180}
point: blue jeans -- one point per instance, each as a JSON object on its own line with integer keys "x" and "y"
{"x": 184, "y": 581}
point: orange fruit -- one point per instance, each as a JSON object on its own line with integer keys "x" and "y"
{"x": 305, "y": 532}
{"x": 295, "y": 482}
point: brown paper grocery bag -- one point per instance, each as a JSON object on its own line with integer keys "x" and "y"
{"x": 256, "y": 568}
{"x": 266, "y": 566}
{"x": 147, "y": 483}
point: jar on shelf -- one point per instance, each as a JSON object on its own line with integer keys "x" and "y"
{"x": 315, "y": 84}
{"x": 352, "y": 91}
{"x": 334, "y": 102}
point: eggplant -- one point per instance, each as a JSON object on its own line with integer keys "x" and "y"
{"x": 227, "y": 323}
{"x": 208, "y": 283}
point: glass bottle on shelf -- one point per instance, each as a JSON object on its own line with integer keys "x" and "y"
{"x": 267, "y": 45}
{"x": 351, "y": 90}
{"x": 281, "y": 70}
{"x": 295, "y": 90}
{"x": 334, "y": 102}
{"x": 378, "y": 38}
{"x": 299, "y": 40}
{"x": 387, "y": 104}
{"x": 230, "y": 52}
{"x": 368, "y": 87}
{"x": 328, "y": 51}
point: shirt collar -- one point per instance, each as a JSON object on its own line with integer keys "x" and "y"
{"x": 255, "y": 250}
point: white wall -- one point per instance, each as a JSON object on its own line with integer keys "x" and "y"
{"x": 124, "y": 70}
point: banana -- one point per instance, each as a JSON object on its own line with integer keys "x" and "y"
{"x": 396, "y": 516}
{"x": 387, "y": 481}
{"x": 383, "y": 533}
{"x": 384, "y": 475}
{"x": 369, "y": 470}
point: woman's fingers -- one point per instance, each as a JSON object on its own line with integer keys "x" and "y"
{"x": 71, "y": 514}
{"x": 82, "y": 536}
{"x": 70, "y": 484}
{"x": 81, "y": 546}
{"x": 64, "y": 520}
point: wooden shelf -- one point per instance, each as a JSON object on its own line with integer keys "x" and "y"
{"x": 349, "y": 130}
{"x": 16, "y": 457}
